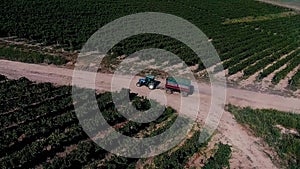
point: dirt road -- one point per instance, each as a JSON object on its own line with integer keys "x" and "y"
{"x": 290, "y": 5}
{"x": 248, "y": 151}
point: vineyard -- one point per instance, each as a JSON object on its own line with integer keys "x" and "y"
{"x": 20, "y": 55}
{"x": 279, "y": 129}
{"x": 251, "y": 37}
{"x": 259, "y": 49}
{"x": 39, "y": 128}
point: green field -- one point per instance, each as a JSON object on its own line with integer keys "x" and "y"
{"x": 264, "y": 124}
{"x": 38, "y": 124}
{"x": 21, "y": 55}
{"x": 247, "y": 34}
{"x": 38, "y": 127}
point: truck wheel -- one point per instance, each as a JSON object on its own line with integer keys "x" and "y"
{"x": 184, "y": 94}
{"x": 151, "y": 86}
{"x": 169, "y": 91}
{"x": 138, "y": 84}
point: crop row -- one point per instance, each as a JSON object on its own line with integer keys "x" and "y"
{"x": 12, "y": 139}
{"x": 153, "y": 129}
{"x": 27, "y": 102}
{"x": 234, "y": 9}
{"x": 180, "y": 157}
{"x": 286, "y": 26}
{"x": 294, "y": 82}
{"x": 48, "y": 131}
{"x": 267, "y": 124}
{"x": 89, "y": 154}
{"x": 37, "y": 122}
{"x": 37, "y": 111}
{"x": 261, "y": 63}
{"x": 66, "y": 23}
{"x": 255, "y": 49}
{"x": 243, "y": 46}
{"x": 220, "y": 159}
{"x": 292, "y": 64}
{"x": 256, "y": 57}
{"x": 22, "y": 87}
{"x": 33, "y": 153}
{"x": 277, "y": 65}
{"x": 15, "y": 54}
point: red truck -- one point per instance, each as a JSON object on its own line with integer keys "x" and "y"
{"x": 179, "y": 85}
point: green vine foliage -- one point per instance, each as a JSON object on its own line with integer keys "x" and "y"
{"x": 263, "y": 124}
{"x": 40, "y": 128}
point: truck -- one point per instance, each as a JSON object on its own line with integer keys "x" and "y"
{"x": 180, "y": 85}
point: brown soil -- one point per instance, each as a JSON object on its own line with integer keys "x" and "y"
{"x": 67, "y": 151}
{"x": 284, "y": 130}
{"x": 236, "y": 76}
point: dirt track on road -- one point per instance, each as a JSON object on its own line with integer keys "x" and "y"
{"x": 248, "y": 151}
{"x": 290, "y": 5}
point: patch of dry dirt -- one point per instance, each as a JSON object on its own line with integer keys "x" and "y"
{"x": 236, "y": 76}
{"x": 284, "y": 130}
{"x": 248, "y": 151}
{"x": 67, "y": 151}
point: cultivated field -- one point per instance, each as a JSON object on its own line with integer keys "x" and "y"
{"x": 247, "y": 150}
{"x": 39, "y": 128}
{"x": 257, "y": 43}
{"x": 259, "y": 48}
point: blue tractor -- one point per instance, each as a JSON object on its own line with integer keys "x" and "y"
{"x": 148, "y": 81}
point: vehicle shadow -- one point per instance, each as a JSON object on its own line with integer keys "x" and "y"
{"x": 156, "y": 84}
